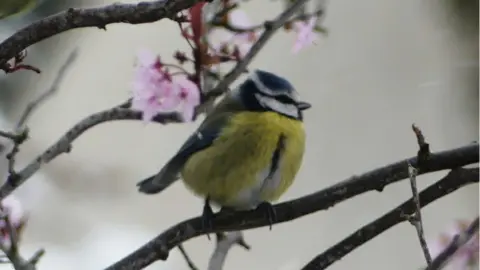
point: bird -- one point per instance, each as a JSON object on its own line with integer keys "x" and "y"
{"x": 246, "y": 152}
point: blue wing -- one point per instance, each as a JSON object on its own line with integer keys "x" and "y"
{"x": 199, "y": 140}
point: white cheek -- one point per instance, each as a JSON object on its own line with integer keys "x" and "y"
{"x": 277, "y": 106}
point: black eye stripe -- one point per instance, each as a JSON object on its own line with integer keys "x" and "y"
{"x": 282, "y": 98}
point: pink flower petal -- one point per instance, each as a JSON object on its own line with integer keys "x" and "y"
{"x": 17, "y": 216}
{"x": 305, "y": 34}
{"x": 190, "y": 97}
{"x": 152, "y": 92}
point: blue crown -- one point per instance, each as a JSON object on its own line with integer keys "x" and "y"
{"x": 272, "y": 82}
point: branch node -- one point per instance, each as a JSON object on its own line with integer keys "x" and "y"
{"x": 423, "y": 153}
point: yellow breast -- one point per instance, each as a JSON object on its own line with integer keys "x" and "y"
{"x": 230, "y": 170}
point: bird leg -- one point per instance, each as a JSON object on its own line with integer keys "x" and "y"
{"x": 269, "y": 212}
{"x": 207, "y": 216}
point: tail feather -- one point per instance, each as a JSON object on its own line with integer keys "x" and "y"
{"x": 157, "y": 183}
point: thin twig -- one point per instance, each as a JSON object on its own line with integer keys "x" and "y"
{"x": 8, "y": 135}
{"x": 224, "y": 243}
{"x": 454, "y": 180}
{"x": 219, "y": 22}
{"x": 158, "y": 248}
{"x": 416, "y": 218}
{"x": 36, "y": 256}
{"x": 17, "y": 140}
{"x": 49, "y": 92}
{"x": 187, "y": 258}
{"x": 458, "y": 241}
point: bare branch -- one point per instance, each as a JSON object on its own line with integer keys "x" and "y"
{"x": 224, "y": 243}
{"x": 458, "y": 241}
{"x": 17, "y": 140}
{"x": 48, "y": 93}
{"x": 454, "y": 180}
{"x": 218, "y": 21}
{"x": 63, "y": 145}
{"x": 157, "y": 249}
{"x": 416, "y": 218}
{"x": 143, "y": 12}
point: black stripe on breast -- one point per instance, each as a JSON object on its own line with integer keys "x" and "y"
{"x": 276, "y": 156}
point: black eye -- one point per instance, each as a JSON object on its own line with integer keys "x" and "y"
{"x": 285, "y": 99}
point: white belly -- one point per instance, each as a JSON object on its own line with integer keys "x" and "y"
{"x": 251, "y": 197}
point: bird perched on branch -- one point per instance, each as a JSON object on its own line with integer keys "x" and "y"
{"x": 246, "y": 153}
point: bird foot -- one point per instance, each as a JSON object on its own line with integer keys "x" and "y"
{"x": 207, "y": 216}
{"x": 269, "y": 212}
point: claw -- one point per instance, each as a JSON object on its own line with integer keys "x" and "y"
{"x": 269, "y": 212}
{"x": 207, "y": 216}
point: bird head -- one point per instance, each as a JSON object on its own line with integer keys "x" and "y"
{"x": 265, "y": 91}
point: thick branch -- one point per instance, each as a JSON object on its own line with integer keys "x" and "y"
{"x": 454, "y": 180}
{"x": 143, "y": 12}
{"x": 158, "y": 248}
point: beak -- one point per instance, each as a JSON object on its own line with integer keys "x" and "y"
{"x": 302, "y": 106}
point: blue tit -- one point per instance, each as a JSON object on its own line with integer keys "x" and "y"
{"x": 246, "y": 153}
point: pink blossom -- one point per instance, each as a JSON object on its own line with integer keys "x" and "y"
{"x": 189, "y": 97}
{"x": 466, "y": 256}
{"x": 305, "y": 34}
{"x": 155, "y": 90}
{"x": 11, "y": 207}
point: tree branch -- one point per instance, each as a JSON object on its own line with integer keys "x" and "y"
{"x": 416, "y": 218}
{"x": 63, "y": 145}
{"x": 143, "y": 12}
{"x": 49, "y": 92}
{"x": 158, "y": 248}
{"x": 224, "y": 243}
{"x": 454, "y": 180}
{"x": 458, "y": 241}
